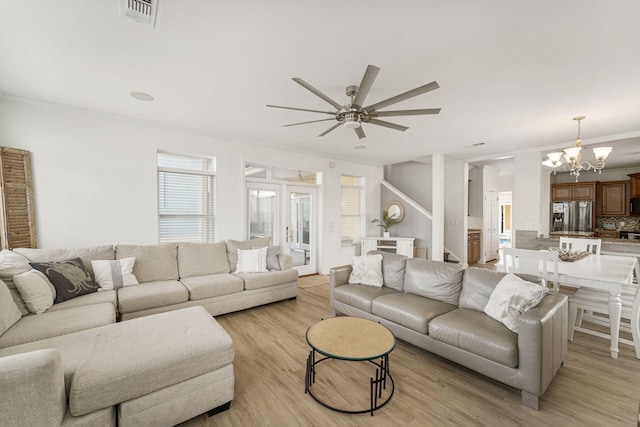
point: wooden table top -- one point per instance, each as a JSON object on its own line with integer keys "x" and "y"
{"x": 350, "y": 338}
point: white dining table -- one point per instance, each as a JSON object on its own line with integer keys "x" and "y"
{"x": 605, "y": 272}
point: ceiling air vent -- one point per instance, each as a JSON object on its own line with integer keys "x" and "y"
{"x": 141, "y": 11}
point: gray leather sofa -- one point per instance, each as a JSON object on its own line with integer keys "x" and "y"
{"x": 439, "y": 307}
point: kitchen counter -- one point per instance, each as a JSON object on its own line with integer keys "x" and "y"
{"x": 527, "y": 239}
{"x": 572, "y": 233}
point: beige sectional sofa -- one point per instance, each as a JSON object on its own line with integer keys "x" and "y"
{"x": 152, "y": 370}
{"x": 439, "y": 307}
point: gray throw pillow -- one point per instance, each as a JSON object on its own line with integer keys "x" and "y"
{"x": 70, "y": 278}
{"x": 272, "y": 258}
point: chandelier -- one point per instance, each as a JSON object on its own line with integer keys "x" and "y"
{"x": 573, "y": 156}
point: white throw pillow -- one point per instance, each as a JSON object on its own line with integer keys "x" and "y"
{"x": 367, "y": 270}
{"x": 511, "y": 297}
{"x": 252, "y": 260}
{"x": 36, "y": 290}
{"x": 114, "y": 274}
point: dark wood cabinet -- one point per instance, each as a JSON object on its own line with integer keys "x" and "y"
{"x": 613, "y": 198}
{"x": 608, "y": 234}
{"x": 634, "y": 192}
{"x": 473, "y": 247}
{"x": 573, "y": 191}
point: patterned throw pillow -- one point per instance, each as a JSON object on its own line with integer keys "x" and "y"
{"x": 366, "y": 270}
{"x": 70, "y": 278}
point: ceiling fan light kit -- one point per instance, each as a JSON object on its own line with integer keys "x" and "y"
{"x": 573, "y": 156}
{"x": 353, "y": 115}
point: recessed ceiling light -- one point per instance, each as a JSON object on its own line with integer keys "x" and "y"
{"x": 141, "y": 96}
{"x": 360, "y": 147}
{"x": 503, "y": 157}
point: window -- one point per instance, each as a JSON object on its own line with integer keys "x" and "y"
{"x": 351, "y": 209}
{"x": 186, "y": 199}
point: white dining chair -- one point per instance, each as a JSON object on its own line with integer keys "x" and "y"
{"x": 597, "y": 305}
{"x": 578, "y": 244}
{"x": 543, "y": 264}
{"x": 592, "y": 305}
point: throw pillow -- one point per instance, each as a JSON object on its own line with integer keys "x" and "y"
{"x": 272, "y": 258}
{"x": 367, "y": 270}
{"x": 252, "y": 260}
{"x": 36, "y": 291}
{"x": 114, "y": 274}
{"x": 70, "y": 278}
{"x": 234, "y": 245}
{"x": 9, "y": 312}
{"x": 12, "y": 263}
{"x": 511, "y": 297}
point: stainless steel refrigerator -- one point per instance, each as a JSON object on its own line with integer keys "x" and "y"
{"x": 571, "y": 216}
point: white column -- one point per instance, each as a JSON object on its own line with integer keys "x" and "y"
{"x": 437, "y": 231}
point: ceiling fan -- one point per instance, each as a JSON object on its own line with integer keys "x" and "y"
{"x": 354, "y": 114}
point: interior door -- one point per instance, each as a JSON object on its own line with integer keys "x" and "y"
{"x": 300, "y": 228}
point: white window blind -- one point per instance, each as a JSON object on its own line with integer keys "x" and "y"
{"x": 351, "y": 209}
{"x": 186, "y": 199}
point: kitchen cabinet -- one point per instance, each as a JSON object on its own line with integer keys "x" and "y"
{"x": 473, "y": 247}
{"x": 573, "y": 191}
{"x": 634, "y": 192}
{"x": 608, "y": 234}
{"x": 396, "y": 245}
{"x": 613, "y": 198}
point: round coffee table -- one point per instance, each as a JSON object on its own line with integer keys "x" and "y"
{"x": 352, "y": 339}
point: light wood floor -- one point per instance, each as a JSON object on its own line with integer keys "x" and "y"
{"x": 591, "y": 389}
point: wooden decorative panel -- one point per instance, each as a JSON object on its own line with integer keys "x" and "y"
{"x": 17, "y": 213}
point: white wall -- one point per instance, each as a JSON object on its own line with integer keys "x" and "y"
{"x": 95, "y": 177}
{"x": 456, "y": 177}
{"x": 606, "y": 175}
{"x": 528, "y": 204}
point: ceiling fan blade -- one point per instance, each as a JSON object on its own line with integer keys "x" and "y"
{"x": 317, "y": 92}
{"x": 304, "y": 123}
{"x": 387, "y": 124}
{"x": 360, "y": 132}
{"x": 405, "y": 112}
{"x": 365, "y": 85}
{"x": 330, "y": 129}
{"x": 403, "y": 96}
{"x": 301, "y": 109}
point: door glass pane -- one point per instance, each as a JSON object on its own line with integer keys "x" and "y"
{"x": 300, "y": 228}
{"x": 262, "y": 208}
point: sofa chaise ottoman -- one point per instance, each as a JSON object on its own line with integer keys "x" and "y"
{"x": 156, "y": 370}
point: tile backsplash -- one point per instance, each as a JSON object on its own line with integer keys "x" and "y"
{"x": 630, "y": 222}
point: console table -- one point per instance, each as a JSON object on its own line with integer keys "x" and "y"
{"x": 396, "y": 245}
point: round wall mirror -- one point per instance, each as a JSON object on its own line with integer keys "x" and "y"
{"x": 395, "y": 210}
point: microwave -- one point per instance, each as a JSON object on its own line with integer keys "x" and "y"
{"x": 634, "y": 206}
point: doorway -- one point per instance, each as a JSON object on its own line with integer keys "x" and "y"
{"x": 300, "y": 228}
{"x": 285, "y": 211}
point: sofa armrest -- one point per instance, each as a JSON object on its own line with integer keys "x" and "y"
{"x": 32, "y": 391}
{"x": 337, "y": 276}
{"x": 285, "y": 261}
{"x": 542, "y": 343}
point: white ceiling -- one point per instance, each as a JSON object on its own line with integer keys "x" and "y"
{"x": 512, "y": 74}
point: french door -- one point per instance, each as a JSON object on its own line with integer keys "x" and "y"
{"x": 287, "y": 213}
{"x": 300, "y": 228}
